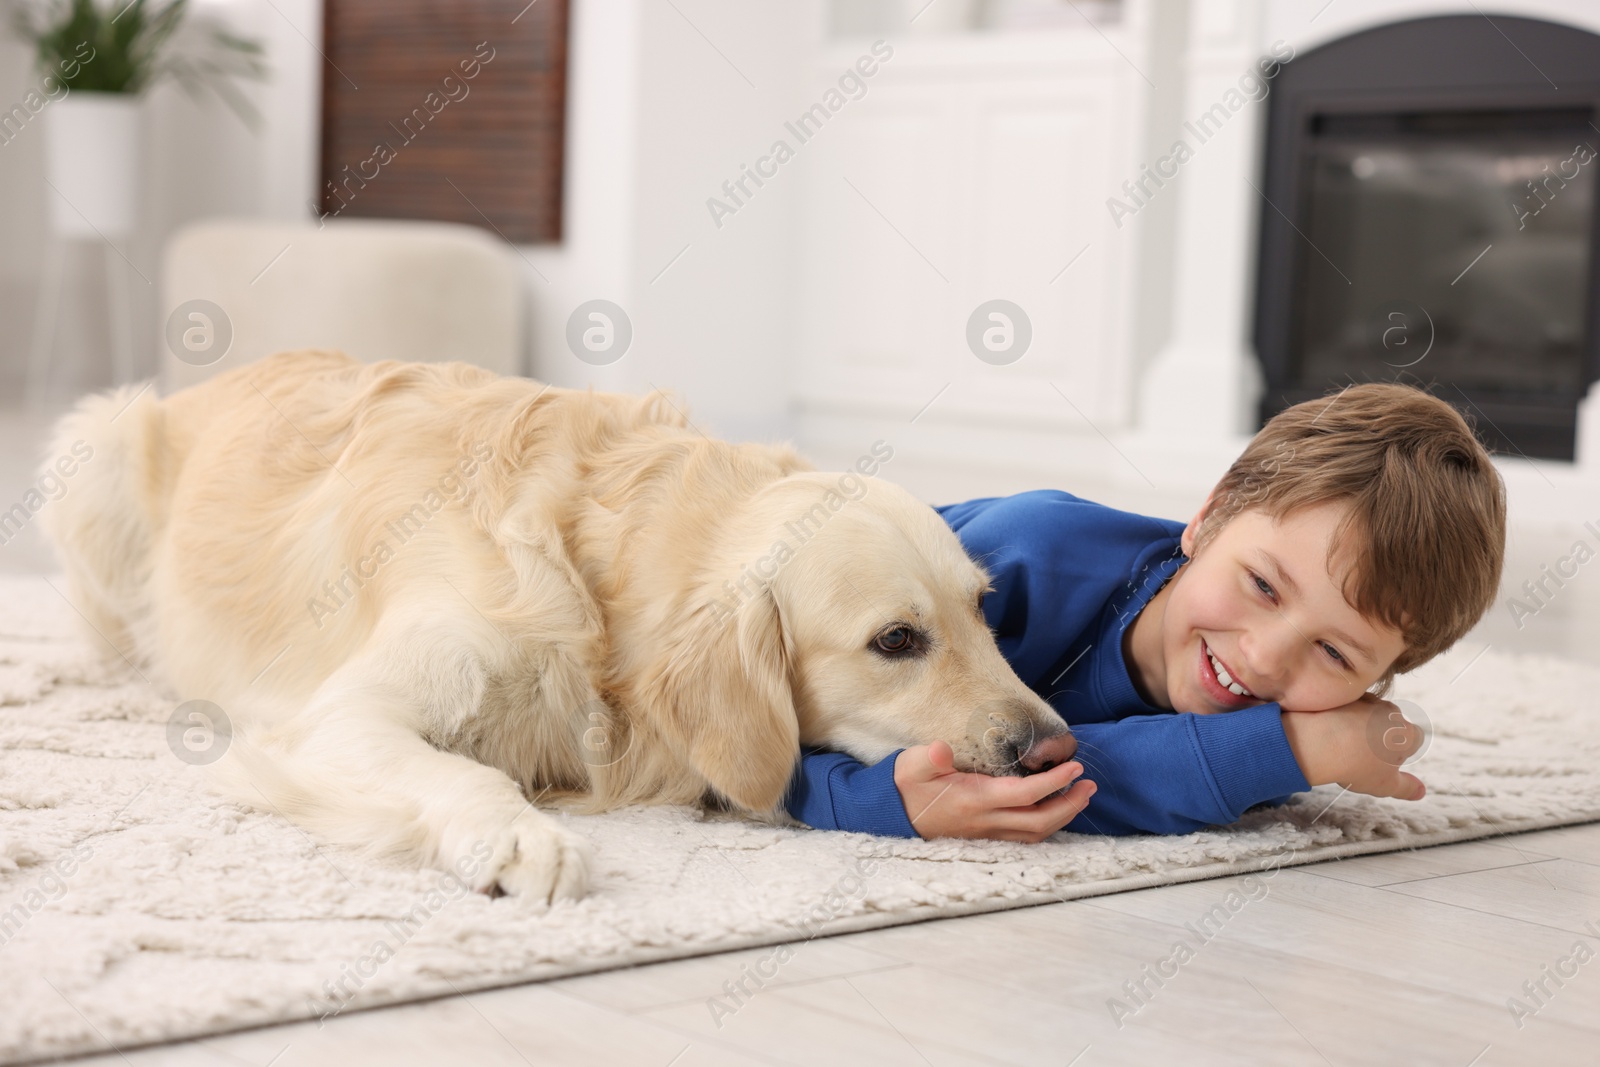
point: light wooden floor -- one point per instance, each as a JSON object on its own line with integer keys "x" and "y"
{"x": 1406, "y": 958}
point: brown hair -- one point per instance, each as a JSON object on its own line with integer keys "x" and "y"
{"x": 1427, "y": 507}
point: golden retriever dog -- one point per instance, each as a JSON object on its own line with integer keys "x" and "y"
{"x": 427, "y": 596}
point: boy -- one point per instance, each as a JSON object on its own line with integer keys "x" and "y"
{"x": 1356, "y": 538}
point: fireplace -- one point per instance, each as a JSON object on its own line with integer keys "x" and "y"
{"x": 1428, "y": 214}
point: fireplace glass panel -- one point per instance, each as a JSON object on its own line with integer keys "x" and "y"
{"x": 1400, "y": 213}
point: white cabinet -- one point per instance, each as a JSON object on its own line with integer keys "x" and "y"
{"x": 976, "y": 167}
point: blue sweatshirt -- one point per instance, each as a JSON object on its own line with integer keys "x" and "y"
{"x": 1069, "y": 576}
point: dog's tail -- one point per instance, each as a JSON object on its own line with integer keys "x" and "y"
{"x": 110, "y": 458}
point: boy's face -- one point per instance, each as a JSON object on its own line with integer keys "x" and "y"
{"x": 1260, "y": 599}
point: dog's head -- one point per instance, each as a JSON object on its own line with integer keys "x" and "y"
{"x": 849, "y": 616}
{"x": 883, "y": 610}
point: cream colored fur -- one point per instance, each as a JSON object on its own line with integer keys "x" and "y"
{"x": 426, "y": 595}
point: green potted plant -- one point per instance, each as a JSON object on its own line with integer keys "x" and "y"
{"x": 94, "y": 60}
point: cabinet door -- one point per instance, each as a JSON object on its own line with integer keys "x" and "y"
{"x": 947, "y": 187}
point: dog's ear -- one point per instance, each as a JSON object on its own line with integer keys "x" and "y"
{"x": 729, "y": 702}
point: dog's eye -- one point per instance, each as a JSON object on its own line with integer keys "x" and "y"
{"x": 896, "y": 641}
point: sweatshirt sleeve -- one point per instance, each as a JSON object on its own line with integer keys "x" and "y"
{"x": 833, "y": 791}
{"x": 1171, "y": 773}
{"x": 1175, "y": 773}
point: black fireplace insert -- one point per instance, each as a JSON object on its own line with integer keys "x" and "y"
{"x": 1429, "y": 215}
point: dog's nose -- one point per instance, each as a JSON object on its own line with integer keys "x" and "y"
{"x": 1049, "y": 752}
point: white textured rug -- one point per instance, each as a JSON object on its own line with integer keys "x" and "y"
{"x": 136, "y": 907}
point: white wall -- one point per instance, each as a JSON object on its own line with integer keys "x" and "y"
{"x": 665, "y": 102}
{"x": 1293, "y": 21}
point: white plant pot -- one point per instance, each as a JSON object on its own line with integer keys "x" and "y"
{"x": 92, "y": 155}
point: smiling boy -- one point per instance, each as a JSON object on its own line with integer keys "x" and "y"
{"x": 1356, "y": 538}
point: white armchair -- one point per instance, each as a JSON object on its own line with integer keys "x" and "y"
{"x": 378, "y": 289}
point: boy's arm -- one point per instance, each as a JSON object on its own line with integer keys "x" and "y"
{"x": 1161, "y": 774}
{"x": 1166, "y": 774}
{"x": 1362, "y": 746}
{"x": 1176, "y": 773}
{"x": 833, "y": 791}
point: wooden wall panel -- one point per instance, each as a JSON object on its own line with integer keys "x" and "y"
{"x": 444, "y": 109}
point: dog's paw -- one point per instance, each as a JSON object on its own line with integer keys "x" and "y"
{"x": 538, "y": 860}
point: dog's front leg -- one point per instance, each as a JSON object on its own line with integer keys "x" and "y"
{"x": 354, "y": 768}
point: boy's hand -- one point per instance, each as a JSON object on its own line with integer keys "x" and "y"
{"x": 944, "y": 802}
{"x": 1360, "y": 746}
